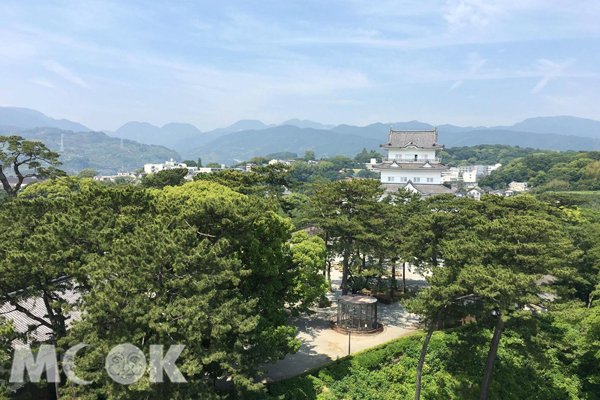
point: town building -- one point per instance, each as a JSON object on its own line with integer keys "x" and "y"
{"x": 450, "y": 175}
{"x": 470, "y": 177}
{"x": 475, "y": 193}
{"x": 154, "y": 168}
{"x": 412, "y": 163}
{"x": 518, "y": 186}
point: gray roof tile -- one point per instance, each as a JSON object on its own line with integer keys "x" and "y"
{"x": 420, "y": 139}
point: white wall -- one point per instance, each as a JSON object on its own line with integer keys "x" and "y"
{"x": 409, "y": 154}
{"x": 397, "y": 176}
{"x": 470, "y": 177}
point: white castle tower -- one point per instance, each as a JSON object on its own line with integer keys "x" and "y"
{"x": 412, "y": 163}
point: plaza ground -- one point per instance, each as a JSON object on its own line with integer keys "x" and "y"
{"x": 321, "y": 344}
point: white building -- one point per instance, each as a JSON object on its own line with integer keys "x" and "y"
{"x": 153, "y": 168}
{"x": 470, "y": 177}
{"x": 490, "y": 168}
{"x": 450, "y": 175}
{"x": 518, "y": 186}
{"x": 412, "y": 163}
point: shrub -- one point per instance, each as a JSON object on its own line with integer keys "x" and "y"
{"x": 298, "y": 388}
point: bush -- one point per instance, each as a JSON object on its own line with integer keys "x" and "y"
{"x": 298, "y": 388}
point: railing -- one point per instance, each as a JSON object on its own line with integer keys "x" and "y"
{"x": 412, "y": 160}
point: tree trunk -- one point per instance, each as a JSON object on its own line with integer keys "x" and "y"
{"x": 422, "y": 361}
{"x": 345, "y": 273}
{"x": 364, "y": 261}
{"x": 489, "y": 363}
{"x": 5, "y": 185}
{"x": 404, "y": 277}
{"x": 327, "y": 263}
{"x": 393, "y": 283}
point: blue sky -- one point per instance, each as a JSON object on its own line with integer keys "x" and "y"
{"x": 211, "y": 63}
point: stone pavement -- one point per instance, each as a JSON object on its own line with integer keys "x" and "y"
{"x": 321, "y": 344}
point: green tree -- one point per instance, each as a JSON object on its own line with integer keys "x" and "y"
{"x": 343, "y": 210}
{"x": 87, "y": 173}
{"x": 167, "y": 177}
{"x": 213, "y": 165}
{"x": 190, "y": 163}
{"x": 309, "y": 155}
{"x": 516, "y": 241}
{"x": 209, "y": 268}
{"x": 199, "y": 163}
{"x": 365, "y": 173}
{"x": 27, "y": 159}
{"x": 365, "y": 157}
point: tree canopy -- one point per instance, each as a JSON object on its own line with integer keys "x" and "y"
{"x": 25, "y": 159}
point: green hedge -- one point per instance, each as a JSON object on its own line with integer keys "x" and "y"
{"x": 310, "y": 384}
{"x": 453, "y": 370}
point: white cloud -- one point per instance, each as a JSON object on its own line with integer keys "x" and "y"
{"x": 42, "y": 82}
{"x": 548, "y": 70}
{"x": 55, "y": 67}
{"x": 456, "y": 84}
{"x": 475, "y": 62}
{"x": 477, "y": 13}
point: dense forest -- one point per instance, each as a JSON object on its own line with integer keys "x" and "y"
{"x": 552, "y": 171}
{"x": 484, "y": 154}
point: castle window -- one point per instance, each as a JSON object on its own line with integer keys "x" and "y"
{"x": 417, "y": 179}
{"x": 404, "y": 179}
{"x": 430, "y": 180}
{"x": 390, "y": 179}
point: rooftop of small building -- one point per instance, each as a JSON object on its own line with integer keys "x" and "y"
{"x": 358, "y": 299}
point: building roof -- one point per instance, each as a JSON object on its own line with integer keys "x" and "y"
{"x": 358, "y": 299}
{"x": 419, "y": 139}
{"x": 36, "y": 306}
{"x": 411, "y": 166}
{"x": 431, "y": 190}
{"x": 26, "y": 181}
{"x": 424, "y": 189}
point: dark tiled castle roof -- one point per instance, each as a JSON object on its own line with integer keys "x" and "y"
{"x": 419, "y": 139}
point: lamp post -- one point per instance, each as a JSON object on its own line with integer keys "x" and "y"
{"x": 349, "y": 336}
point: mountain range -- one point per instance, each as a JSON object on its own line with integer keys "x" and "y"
{"x": 248, "y": 138}
{"x": 27, "y": 118}
{"x": 96, "y": 150}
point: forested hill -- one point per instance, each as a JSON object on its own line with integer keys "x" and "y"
{"x": 551, "y": 171}
{"x": 95, "y": 150}
{"x": 485, "y": 154}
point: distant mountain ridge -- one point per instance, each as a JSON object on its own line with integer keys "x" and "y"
{"x": 305, "y": 123}
{"x": 248, "y": 138}
{"x": 563, "y": 125}
{"x": 95, "y": 150}
{"x": 240, "y": 146}
{"x": 144, "y": 132}
{"x": 27, "y": 118}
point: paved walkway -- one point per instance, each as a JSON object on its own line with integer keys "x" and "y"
{"x": 321, "y": 344}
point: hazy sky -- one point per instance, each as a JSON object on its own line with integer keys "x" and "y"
{"x": 210, "y": 63}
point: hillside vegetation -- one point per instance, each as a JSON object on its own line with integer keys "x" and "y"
{"x": 530, "y": 365}
{"x": 551, "y": 171}
{"x": 95, "y": 150}
{"x": 484, "y": 154}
